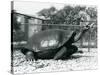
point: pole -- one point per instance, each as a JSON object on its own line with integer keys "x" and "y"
{"x": 89, "y": 41}
{"x": 26, "y": 27}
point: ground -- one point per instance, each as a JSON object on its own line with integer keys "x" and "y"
{"x": 80, "y": 61}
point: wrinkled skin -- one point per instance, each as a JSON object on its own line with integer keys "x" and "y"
{"x": 62, "y": 49}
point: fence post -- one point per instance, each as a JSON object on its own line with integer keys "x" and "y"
{"x": 81, "y": 40}
{"x": 89, "y": 41}
{"x": 26, "y": 27}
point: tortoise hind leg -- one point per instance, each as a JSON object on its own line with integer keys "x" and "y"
{"x": 30, "y": 55}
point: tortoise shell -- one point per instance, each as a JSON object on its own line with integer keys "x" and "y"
{"x": 48, "y": 39}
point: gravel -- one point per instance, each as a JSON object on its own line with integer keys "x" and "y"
{"x": 85, "y": 61}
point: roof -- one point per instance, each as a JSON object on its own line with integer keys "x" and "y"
{"x": 30, "y": 16}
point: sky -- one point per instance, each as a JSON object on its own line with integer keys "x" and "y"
{"x": 31, "y": 8}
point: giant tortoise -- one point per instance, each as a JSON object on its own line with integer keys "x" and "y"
{"x": 53, "y": 44}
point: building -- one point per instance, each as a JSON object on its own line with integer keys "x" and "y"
{"x": 29, "y": 25}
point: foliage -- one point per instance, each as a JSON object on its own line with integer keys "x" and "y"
{"x": 68, "y": 14}
{"x": 47, "y": 13}
{"x": 92, "y": 12}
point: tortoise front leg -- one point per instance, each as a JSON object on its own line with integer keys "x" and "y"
{"x": 71, "y": 50}
{"x": 66, "y": 52}
{"x": 60, "y": 53}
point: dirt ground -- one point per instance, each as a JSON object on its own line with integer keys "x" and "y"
{"x": 87, "y": 60}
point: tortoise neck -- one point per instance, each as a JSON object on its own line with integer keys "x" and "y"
{"x": 79, "y": 35}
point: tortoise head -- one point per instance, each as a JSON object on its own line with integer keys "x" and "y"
{"x": 89, "y": 26}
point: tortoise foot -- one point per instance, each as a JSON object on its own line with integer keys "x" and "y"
{"x": 30, "y": 56}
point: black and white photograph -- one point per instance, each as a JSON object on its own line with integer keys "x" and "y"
{"x": 53, "y": 37}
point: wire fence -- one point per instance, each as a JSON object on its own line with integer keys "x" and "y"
{"x": 89, "y": 40}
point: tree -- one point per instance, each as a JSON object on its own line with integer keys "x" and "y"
{"x": 69, "y": 15}
{"x": 47, "y": 13}
{"x": 92, "y": 11}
